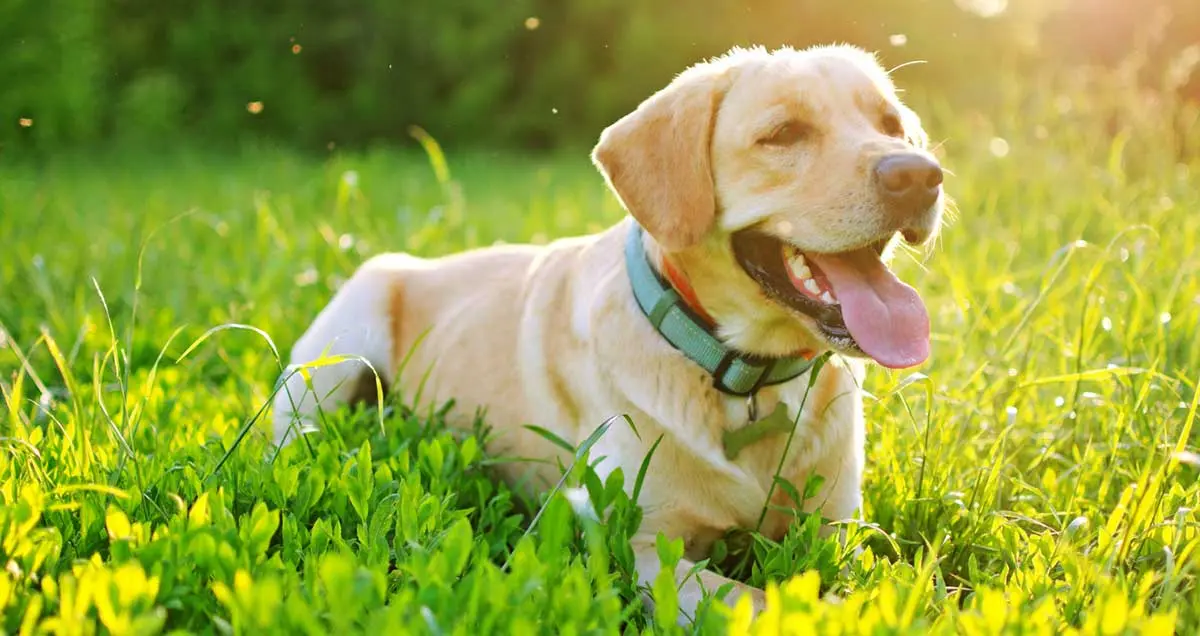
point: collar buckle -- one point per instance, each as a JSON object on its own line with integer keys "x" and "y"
{"x": 722, "y": 377}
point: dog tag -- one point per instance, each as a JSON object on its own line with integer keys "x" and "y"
{"x": 776, "y": 422}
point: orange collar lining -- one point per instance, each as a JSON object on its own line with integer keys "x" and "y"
{"x": 681, "y": 285}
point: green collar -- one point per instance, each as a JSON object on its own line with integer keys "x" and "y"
{"x": 733, "y": 372}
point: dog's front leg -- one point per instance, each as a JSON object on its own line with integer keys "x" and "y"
{"x": 692, "y": 583}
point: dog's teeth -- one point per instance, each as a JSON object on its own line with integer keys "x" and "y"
{"x": 811, "y": 286}
{"x": 798, "y": 268}
{"x": 827, "y": 298}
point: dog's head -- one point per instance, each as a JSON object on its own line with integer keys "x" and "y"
{"x": 778, "y": 182}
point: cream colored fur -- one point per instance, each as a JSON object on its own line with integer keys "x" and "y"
{"x": 551, "y": 336}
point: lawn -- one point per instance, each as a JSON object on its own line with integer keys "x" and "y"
{"x": 1039, "y": 474}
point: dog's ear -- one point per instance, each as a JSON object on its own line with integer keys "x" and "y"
{"x": 657, "y": 159}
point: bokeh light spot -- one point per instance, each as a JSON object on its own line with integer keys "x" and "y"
{"x": 254, "y": 108}
{"x": 983, "y": 8}
{"x": 307, "y": 277}
{"x": 898, "y": 39}
{"x": 25, "y": 122}
{"x": 998, "y": 147}
{"x": 296, "y": 49}
{"x": 532, "y": 23}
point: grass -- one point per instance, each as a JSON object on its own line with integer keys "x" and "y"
{"x": 1039, "y": 475}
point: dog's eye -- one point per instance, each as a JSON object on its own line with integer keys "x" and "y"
{"x": 892, "y": 126}
{"x": 787, "y": 134}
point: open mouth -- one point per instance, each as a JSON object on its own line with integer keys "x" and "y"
{"x": 858, "y": 304}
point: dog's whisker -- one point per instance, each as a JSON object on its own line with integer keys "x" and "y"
{"x": 905, "y": 65}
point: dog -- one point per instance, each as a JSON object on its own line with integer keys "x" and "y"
{"x": 766, "y": 193}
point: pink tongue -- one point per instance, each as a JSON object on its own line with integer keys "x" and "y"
{"x": 885, "y": 316}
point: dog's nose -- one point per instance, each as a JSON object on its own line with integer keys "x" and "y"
{"x": 909, "y": 183}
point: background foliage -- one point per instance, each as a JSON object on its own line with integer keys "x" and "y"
{"x": 533, "y": 73}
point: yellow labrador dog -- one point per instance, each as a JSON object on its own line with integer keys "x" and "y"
{"x": 766, "y": 191}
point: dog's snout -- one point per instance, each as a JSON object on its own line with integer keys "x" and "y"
{"x": 909, "y": 183}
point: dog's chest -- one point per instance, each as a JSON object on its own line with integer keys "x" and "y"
{"x": 773, "y": 469}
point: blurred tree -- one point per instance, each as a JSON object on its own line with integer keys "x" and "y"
{"x": 528, "y": 73}
{"x": 51, "y": 73}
